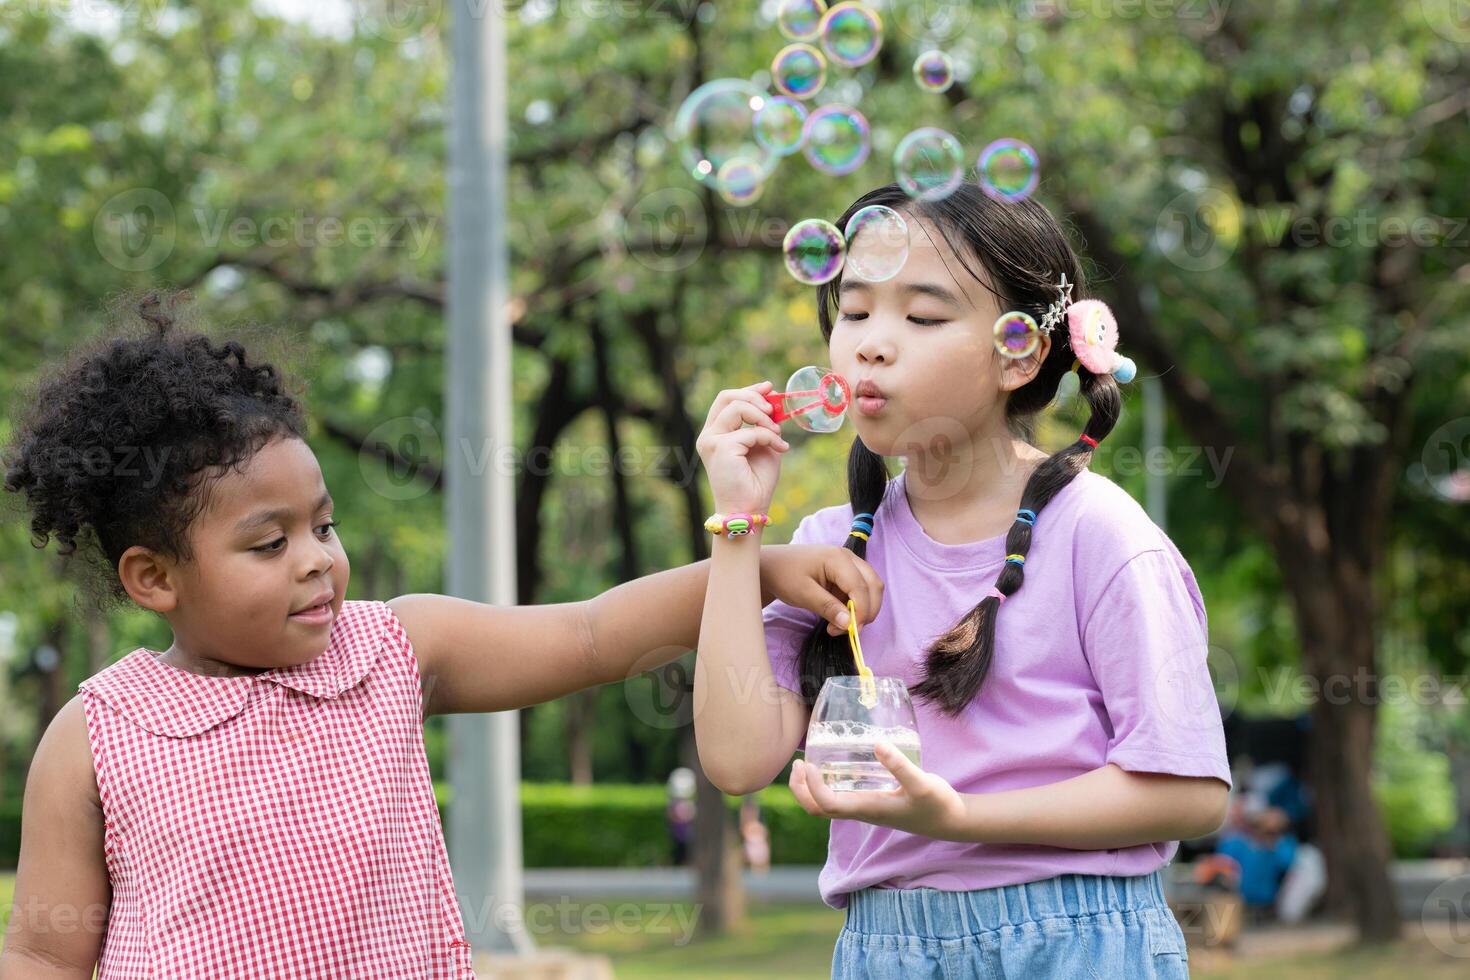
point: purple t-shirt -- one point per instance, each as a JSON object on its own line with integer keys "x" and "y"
{"x": 1099, "y": 657}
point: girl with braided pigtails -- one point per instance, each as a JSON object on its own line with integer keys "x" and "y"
{"x": 1051, "y": 635}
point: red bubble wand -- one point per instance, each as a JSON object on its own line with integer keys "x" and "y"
{"x": 831, "y": 395}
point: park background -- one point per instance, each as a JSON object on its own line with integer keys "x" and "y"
{"x": 1272, "y": 196}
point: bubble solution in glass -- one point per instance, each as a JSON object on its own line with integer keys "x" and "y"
{"x": 842, "y": 737}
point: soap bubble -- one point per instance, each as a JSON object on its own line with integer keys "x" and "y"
{"x": 929, "y": 164}
{"x": 934, "y": 71}
{"x": 1008, "y": 170}
{"x": 824, "y": 409}
{"x": 778, "y": 125}
{"x": 814, "y": 251}
{"x": 716, "y": 124}
{"x": 800, "y": 20}
{"x": 741, "y": 181}
{"x": 799, "y": 70}
{"x": 1016, "y": 334}
{"x": 836, "y": 139}
{"x": 851, "y": 34}
{"x": 877, "y": 243}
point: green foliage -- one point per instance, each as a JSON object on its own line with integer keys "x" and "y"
{"x": 611, "y": 825}
{"x": 1411, "y": 781}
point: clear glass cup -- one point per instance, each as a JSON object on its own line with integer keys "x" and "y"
{"x": 843, "y": 732}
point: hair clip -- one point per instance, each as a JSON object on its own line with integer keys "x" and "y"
{"x": 1017, "y": 333}
{"x": 1058, "y": 309}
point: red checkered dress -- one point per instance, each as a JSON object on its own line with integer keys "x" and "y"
{"x": 276, "y": 825}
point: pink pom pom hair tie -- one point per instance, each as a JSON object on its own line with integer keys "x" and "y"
{"x": 1092, "y": 332}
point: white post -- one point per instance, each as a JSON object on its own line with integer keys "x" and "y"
{"x": 484, "y": 751}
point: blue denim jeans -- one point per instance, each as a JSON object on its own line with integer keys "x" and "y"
{"x": 1089, "y": 927}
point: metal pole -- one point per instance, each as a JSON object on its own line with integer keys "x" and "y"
{"x": 1156, "y": 492}
{"x": 484, "y": 750}
{"x": 1156, "y": 483}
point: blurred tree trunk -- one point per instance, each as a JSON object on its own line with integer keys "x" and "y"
{"x": 581, "y": 710}
{"x": 717, "y": 855}
{"x": 99, "y": 639}
{"x": 52, "y": 675}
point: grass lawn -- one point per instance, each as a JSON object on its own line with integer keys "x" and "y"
{"x": 783, "y": 941}
{"x": 652, "y": 939}
{"x": 1416, "y": 957}
{"x": 789, "y": 941}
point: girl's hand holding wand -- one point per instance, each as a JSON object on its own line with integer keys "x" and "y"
{"x": 746, "y": 725}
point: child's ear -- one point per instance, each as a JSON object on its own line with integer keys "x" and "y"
{"x": 150, "y": 581}
{"x": 1016, "y": 372}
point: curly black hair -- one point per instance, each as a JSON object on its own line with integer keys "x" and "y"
{"x": 120, "y": 442}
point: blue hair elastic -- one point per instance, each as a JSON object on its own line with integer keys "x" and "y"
{"x": 1026, "y": 516}
{"x": 862, "y": 526}
{"x": 1016, "y": 559}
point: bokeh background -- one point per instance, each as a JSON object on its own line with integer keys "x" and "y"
{"x": 1274, "y": 197}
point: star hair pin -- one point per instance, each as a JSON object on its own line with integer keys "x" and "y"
{"x": 1058, "y": 309}
{"x": 1017, "y": 333}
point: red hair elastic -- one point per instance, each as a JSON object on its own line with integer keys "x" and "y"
{"x": 1089, "y": 440}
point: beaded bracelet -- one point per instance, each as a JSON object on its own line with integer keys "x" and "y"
{"x": 734, "y": 525}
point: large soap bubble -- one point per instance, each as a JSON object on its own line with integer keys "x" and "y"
{"x": 779, "y": 125}
{"x": 814, "y": 251}
{"x": 877, "y": 243}
{"x": 852, "y": 34}
{"x": 716, "y": 124}
{"x": 800, "y": 20}
{"x": 1008, "y": 170}
{"x": 929, "y": 164}
{"x": 836, "y": 139}
{"x": 799, "y": 70}
{"x": 816, "y": 399}
{"x": 934, "y": 71}
{"x": 741, "y": 181}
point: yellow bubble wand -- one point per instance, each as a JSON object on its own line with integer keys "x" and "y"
{"x": 867, "y": 687}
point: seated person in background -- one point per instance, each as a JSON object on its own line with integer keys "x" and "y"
{"x": 1260, "y": 843}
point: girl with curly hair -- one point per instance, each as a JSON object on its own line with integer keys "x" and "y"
{"x": 255, "y": 800}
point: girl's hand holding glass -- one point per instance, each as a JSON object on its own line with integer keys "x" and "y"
{"x": 924, "y": 803}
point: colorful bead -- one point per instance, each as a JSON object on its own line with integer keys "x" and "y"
{"x": 735, "y": 525}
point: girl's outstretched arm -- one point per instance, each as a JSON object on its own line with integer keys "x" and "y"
{"x": 62, "y": 894}
{"x": 478, "y": 657}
